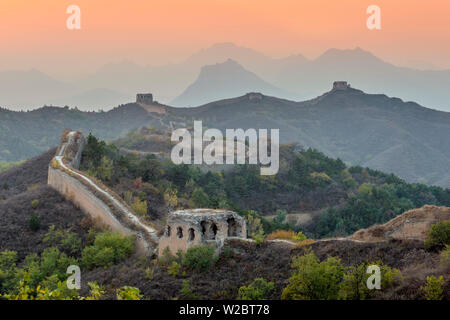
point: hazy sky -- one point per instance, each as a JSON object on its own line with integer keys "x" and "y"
{"x": 33, "y": 33}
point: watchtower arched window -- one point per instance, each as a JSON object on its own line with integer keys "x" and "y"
{"x": 209, "y": 230}
{"x": 191, "y": 234}
{"x": 180, "y": 232}
{"x": 232, "y": 228}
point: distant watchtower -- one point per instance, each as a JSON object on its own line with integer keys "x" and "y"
{"x": 145, "y": 98}
{"x": 340, "y": 85}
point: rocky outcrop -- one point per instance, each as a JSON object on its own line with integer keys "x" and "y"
{"x": 93, "y": 197}
{"x": 411, "y": 225}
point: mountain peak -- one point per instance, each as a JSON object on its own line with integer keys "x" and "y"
{"x": 357, "y": 54}
{"x": 224, "y": 80}
{"x": 228, "y": 66}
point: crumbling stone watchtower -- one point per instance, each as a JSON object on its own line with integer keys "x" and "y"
{"x": 145, "y": 98}
{"x": 340, "y": 85}
{"x": 188, "y": 228}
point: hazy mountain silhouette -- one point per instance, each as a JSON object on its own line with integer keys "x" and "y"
{"x": 29, "y": 88}
{"x": 368, "y": 73}
{"x": 223, "y": 80}
{"x": 296, "y": 74}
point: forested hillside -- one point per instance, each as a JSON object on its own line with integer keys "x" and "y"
{"x": 351, "y": 197}
{"x": 27, "y": 134}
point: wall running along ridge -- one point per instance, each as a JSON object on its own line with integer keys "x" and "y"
{"x": 94, "y": 198}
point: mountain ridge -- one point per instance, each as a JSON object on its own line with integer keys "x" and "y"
{"x": 303, "y": 77}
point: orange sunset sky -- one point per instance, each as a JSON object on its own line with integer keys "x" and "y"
{"x": 33, "y": 33}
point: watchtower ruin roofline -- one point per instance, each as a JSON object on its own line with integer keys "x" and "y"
{"x": 145, "y": 98}
{"x": 192, "y": 227}
{"x": 340, "y": 85}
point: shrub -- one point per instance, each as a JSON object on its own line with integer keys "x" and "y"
{"x": 254, "y": 226}
{"x": 171, "y": 198}
{"x": 71, "y": 243}
{"x": 227, "y": 252}
{"x": 314, "y": 280}
{"x": 34, "y": 222}
{"x": 259, "y": 289}
{"x": 34, "y": 204}
{"x": 174, "y": 269}
{"x": 64, "y": 239}
{"x": 354, "y": 286}
{"x": 280, "y": 217}
{"x": 8, "y": 270}
{"x": 139, "y": 206}
{"x": 200, "y": 258}
{"x": 306, "y": 242}
{"x": 108, "y": 249}
{"x": 281, "y": 234}
{"x": 287, "y": 235}
{"x": 166, "y": 258}
{"x": 186, "y": 291}
{"x": 438, "y": 236}
{"x": 128, "y": 293}
{"x": 433, "y": 288}
{"x": 258, "y": 238}
{"x": 445, "y": 255}
{"x": 55, "y": 262}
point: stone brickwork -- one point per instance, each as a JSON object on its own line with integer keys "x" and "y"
{"x": 94, "y": 198}
{"x": 189, "y": 228}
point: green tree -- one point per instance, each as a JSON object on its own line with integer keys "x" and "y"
{"x": 200, "y": 258}
{"x": 254, "y": 226}
{"x": 438, "y": 236}
{"x": 104, "y": 171}
{"x": 259, "y": 289}
{"x": 314, "y": 280}
{"x": 200, "y": 198}
{"x": 34, "y": 222}
{"x": 109, "y": 248}
{"x": 139, "y": 206}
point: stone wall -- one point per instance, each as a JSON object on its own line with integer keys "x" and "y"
{"x": 83, "y": 198}
{"x": 93, "y": 198}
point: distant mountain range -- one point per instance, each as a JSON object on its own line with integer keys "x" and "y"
{"x": 295, "y": 76}
{"x": 224, "y": 80}
{"x": 370, "y": 130}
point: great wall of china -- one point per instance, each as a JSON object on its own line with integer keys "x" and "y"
{"x": 102, "y": 203}
{"x": 93, "y": 197}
